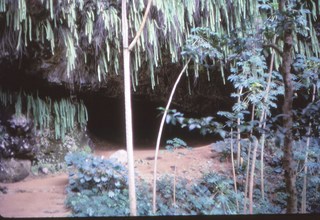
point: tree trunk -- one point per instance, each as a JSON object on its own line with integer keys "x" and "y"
{"x": 127, "y": 98}
{"x": 128, "y": 111}
{"x": 288, "y": 161}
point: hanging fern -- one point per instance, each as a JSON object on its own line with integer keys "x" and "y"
{"x": 64, "y": 115}
{"x": 89, "y": 32}
{"x": 91, "y": 29}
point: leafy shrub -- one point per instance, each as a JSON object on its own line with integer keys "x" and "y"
{"x": 144, "y": 198}
{"x": 222, "y": 188}
{"x": 212, "y": 194}
{"x": 266, "y": 206}
{"x": 97, "y": 187}
{"x": 90, "y": 203}
{"x": 95, "y": 173}
{"x": 175, "y": 143}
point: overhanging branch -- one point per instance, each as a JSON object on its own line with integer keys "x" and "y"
{"x": 134, "y": 41}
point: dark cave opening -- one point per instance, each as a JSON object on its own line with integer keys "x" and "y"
{"x": 106, "y": 114}
{"x": 107, "y": 122}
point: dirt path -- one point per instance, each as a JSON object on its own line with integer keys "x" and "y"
{"x": 189, "y": 163}
{"x": 44, "y": 196}
{"x": 35, "y": 197}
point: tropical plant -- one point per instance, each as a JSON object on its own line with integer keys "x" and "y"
{"x": 97, "y": 187}
{"x": 57, "y": 30}
{"x": 211, "y": 194}
{"x": 63, "y": 115}
{"x": 280, "y": 23}
{"x": 65, "y": 30}
{"x": 89, "y": 172}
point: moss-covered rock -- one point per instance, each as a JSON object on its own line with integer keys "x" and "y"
{"x": 14, "y": 170}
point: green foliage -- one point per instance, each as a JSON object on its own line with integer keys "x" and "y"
{"x": 224, "y": 148}
{"x": 90, "y": 172}
{"x": 88, "y": 203}
{"x": 69, "y": 27}
{"x": 221, "y": 187}
{"x": 205, "y": 46}
{"x": 97, "y": 187}
{"x": 176, "y": 143}
{"x": 210, "y": 125}
{"x": 267, "y": 207}
{"x": 275, "y": 202}
{"x": 144, "y": 198}
{"x": 64, "y": 115}
{"x": 257, "y": 88}
{"x": 300, "y": 16}
{"x": 206, "y": 124}
{"x": 212, "y": 194}
{"x": 313, "y": 170}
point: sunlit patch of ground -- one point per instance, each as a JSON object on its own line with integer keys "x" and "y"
{"x": 44, "y": 196}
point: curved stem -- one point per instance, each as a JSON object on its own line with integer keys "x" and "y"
{"x": 159, "y": 136}
{"x": 144, "y": 20}
{"x": 264, "y": 123}
{"x": 233, "y": 170}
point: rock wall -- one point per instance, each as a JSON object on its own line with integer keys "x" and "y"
{"x": 25, "y": 149}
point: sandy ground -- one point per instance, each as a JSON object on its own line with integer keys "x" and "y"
{"x": 43, "y": 196}
{"x": 35, "y": 197}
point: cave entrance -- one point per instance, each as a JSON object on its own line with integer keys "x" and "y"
{"x": 107, "y": 123}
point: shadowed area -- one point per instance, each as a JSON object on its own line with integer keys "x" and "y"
{"x": 107, "y": 122}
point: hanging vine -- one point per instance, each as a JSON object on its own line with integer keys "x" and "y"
{"x": 64, "y": 115}
{"x": 90, "y": 31}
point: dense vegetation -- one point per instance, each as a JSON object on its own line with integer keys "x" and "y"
{"x": 268, "y": 51}
{"x": 98, "y": 187}
{"x": 83, "y": 37}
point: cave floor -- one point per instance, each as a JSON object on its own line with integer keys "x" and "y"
{"x": 43, "y": 196}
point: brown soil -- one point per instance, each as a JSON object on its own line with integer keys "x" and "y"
{"x": 43, "y": 196}
{"x": 35, "y": 197}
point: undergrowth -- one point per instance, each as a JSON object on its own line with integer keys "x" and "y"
{"x": 98, "y": 187}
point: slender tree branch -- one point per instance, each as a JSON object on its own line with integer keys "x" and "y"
{"x": 233, "y": 170}
{"x": 265, "y": 99}
{"x": 248, "y": 165}
{"x": 159, "y": 136}
{"x": 134, "y": 41}
{"x": 304, "y": 188}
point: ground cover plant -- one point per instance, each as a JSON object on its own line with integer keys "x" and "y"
{"x": 266, "y": 51}
{"x": 98, "y": 187}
